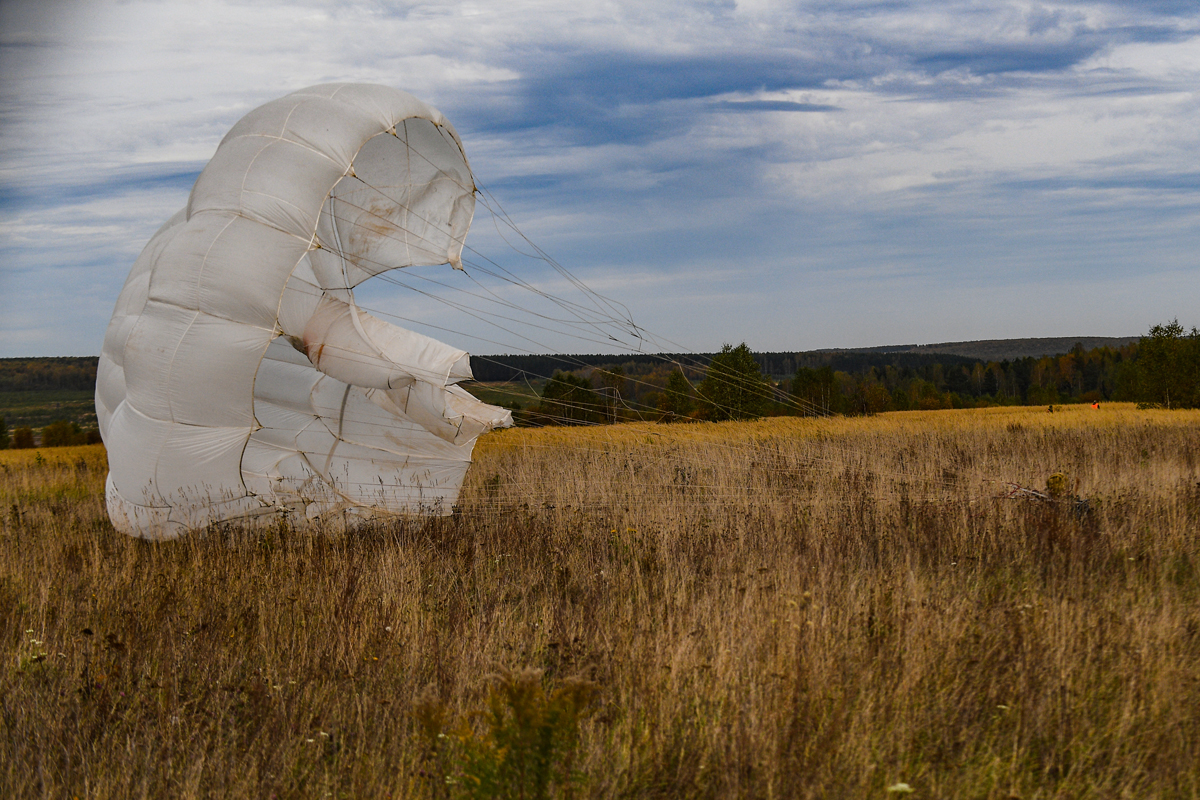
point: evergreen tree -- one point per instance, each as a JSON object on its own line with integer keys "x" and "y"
{"x": 1168, "y": 367}
{"x": 3, "y": 433}
{"x": 734, "y": 387}
{"x": 568, "y": 400}
{"x": 677, "y": 399}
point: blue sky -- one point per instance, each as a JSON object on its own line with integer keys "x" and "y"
{"x": 792, "y": 175}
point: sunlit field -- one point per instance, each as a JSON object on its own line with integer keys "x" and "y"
{"x": 877, "y": 607}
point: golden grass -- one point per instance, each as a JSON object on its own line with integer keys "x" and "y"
{"x": 784, "y": 608}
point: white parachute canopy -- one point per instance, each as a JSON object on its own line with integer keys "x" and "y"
{"x": 238, "y": 378}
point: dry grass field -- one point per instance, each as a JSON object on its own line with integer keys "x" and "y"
{"x": 787, "y": 608}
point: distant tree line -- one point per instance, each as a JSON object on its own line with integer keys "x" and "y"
{"x": 1078, "y": 376}
{"x": 34, "y": 374}
{"x": 502, "y": 368}
{"x": 1162, "y": 369}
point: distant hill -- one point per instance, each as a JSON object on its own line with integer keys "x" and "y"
{"x": 79, "y": 374}
{"x": 1001, "y": 349}
{"x": 782, "y": 364}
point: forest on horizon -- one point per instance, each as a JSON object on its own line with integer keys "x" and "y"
{"x": 49, "y": 399}
{"x": 852, "y": 382}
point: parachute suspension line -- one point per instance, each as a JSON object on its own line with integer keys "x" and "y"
{"x": 566, "y": 305}
{"x": 584, "y": 407}
{"x": 478, "y": 313}
{"x": 621, "y": 317}
{"x": 382, "y": 313}
{"x": 574, "y": 308}
{"x": 337, "y": 241}
{"x": 584, "y": 315}
{"x": 599, "y": 300}
{"x": 624, "y": 317}
{"x": 481, "y": 316}
{"x": 509, "y": 304}
{"x": 350, "y": 355}
{"x": 734, "y": 380}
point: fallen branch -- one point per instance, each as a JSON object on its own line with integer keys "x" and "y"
{"x": 1017, "y": 490}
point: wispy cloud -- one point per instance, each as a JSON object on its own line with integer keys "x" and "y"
{"x": 772, "y": 105}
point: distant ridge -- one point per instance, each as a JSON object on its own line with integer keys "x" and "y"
{"x": 782, "y": 364}
{"x": 79, "y": 373}
{"x": 998, "y": 349}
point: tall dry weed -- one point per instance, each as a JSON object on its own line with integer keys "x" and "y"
{"x": 788, "y": 608}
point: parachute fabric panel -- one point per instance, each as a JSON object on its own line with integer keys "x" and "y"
{"x": 238, "y": 378}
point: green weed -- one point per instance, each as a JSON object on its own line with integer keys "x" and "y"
{"x": 523, "y": 744}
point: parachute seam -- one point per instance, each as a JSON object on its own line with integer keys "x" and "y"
{"x": 297, "y": 143}
{"x": 278, "y": 199}
{"x": 171, "y": 370}
{"x": 178, "y": 344}
{"x": 213, "y": 315}
{"x": 287, "y": 120}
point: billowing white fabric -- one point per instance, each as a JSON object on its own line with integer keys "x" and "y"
{"x": 239, "y": 380}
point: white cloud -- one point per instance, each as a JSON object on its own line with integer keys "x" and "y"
{"x": 976, "y": 148}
